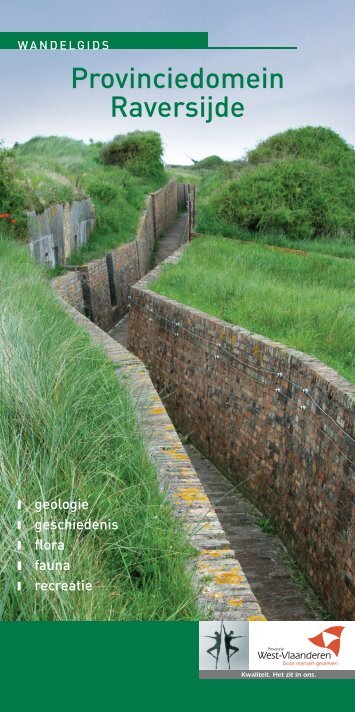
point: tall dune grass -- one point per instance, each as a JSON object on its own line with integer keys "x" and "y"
{"x": 68, "y": 429}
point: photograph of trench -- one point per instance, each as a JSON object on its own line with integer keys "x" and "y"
{"x": 191, "y": 343}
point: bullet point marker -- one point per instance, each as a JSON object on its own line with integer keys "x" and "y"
{"x": 19, "y": 504}
{"x": 19, "y": 585}
{"x": 19, "y": 525}
{"x": 19, "y": 546}
{"x": 19, "y": 566}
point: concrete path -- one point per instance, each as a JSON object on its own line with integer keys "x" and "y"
{"x": 119, "y": 332}
{"x": 171, "y": 240}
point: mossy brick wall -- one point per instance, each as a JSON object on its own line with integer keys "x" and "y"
{"x": 106, "y": 281}
{"x": 293, "y": 464}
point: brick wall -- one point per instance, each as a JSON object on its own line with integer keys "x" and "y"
{"x": 106, "y": 282}
{"x": 96, "y": 293}
{"x": 164, "y": 203}
{"x": 68, "y": 286}
{"x": 220, "y": 588}
{"x": 297, "y": 461}
{"x": 146, "y": 237}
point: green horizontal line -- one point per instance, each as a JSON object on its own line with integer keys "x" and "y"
{"x": 125, "y": 40}
{"x": 261, "y": 47}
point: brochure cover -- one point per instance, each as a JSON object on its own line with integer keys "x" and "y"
{"x": 177, "y": 223}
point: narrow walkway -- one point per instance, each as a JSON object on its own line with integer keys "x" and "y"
{"x": 119, "y": 332}
{"x": 168, "y": 243}
{"x": 171, "y": 240}
{"x": 262, "y": 557}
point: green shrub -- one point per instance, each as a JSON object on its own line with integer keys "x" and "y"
{"x": 300, "y": 184}
{"x": 298, "y": 198}
{"x": 140, "y": 152}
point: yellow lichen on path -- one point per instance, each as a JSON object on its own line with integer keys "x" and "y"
{"x": 214, "y": 552}
{"x": 230, "y": 577}
{"x": 175, "y": 455}
{"x": 236, "y": 601}
{"x": 191, "y": 495}
{"x": 157, "y": 410}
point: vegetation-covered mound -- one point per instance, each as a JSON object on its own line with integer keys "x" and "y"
{"x": 300, "y": 183}
{"x": 58, "y": 169}
{"x": 314, "y": 143}
{"x": 208, "y": 162}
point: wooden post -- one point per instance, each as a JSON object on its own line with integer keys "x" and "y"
{"x": 190, "y": 218}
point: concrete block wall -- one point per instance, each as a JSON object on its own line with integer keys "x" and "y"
{"x": 295, "y": 464}
{"x": 79, "y": 222}
{"x": 59, "y": 230}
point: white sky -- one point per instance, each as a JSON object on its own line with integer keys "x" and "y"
{"x": 37, "y": 97}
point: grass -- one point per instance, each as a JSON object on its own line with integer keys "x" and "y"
{"x": 68, "y": 430}
{"x": 266, "y": 526}
{"x": 312, "y": 599}
{"x": 305, "y": 301}
{"x": 333, "y": 248}
{"x": 184, "y": 174}
{"x": 60, "y": 169}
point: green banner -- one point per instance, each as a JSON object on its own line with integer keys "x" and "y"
{"x": 105, "y": 40}
{"x": 82, "y": 667}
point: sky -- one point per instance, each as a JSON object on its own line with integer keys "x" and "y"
{"x": 319, "y": 78}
